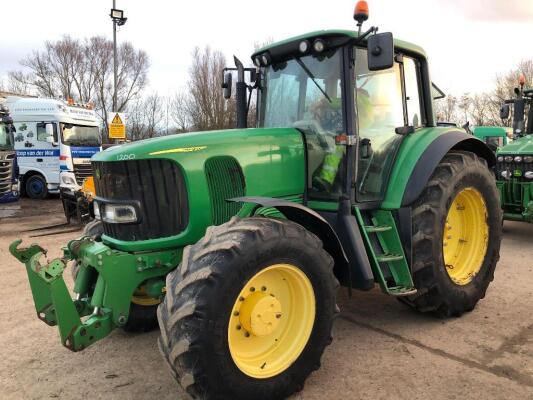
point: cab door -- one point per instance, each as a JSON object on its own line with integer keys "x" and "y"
{"x": 47, "y": 153}
{"x": 388, "y": 108}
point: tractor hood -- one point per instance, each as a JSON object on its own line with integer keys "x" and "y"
{"x": 272, "y": 159}
{"x": 523, "y": 145}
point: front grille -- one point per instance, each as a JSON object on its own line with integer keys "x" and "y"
{"x": 6, "y": 173}
{"x": 517, "y": 170}
{"x": 159, "y": 187}
{"x": 81, "y": 172}
{"x": 225, "y": 180}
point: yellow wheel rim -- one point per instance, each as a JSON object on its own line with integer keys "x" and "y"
{"x": 141, "y": 298}
{"x": 271, "y": 321}
{"x": 465, "y": 237}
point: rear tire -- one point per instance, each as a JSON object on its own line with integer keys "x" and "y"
{"x": 441, "y": 289}
{"x": 197, "y": 317}
{"x": 142, "y": 318}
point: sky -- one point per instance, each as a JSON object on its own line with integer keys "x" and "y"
{"x": 467, "y": 41}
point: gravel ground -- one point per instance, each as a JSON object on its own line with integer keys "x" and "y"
{"x": 381, "y": 349}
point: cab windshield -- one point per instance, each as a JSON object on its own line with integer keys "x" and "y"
{"x": 6, "y": 137}
{"x": 79, "y": 135}
{"x": 305, "y": 93}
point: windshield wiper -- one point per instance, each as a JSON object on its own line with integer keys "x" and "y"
{"x": 310, "y": 74}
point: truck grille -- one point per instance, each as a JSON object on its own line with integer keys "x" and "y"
{"x": 6, "y": 172}
{"x": 158, "y": 185}
{"x": 82, "y": 171}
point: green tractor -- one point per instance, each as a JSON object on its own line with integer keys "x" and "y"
{"x": 236, "y": 241}
{"x": 514, "y": 168}
{"x": 494, "y": 136}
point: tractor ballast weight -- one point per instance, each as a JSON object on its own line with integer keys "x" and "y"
{"x": 237, "y": 240}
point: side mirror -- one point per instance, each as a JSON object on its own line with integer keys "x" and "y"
{"x": 504, "y": 111}
{"x": 49, "y": 130}
{"x": 380, "y": 51}
{"x": 227, "y": 85}
{"x": 50, "y": 133}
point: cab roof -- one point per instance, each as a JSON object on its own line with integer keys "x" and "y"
{"x": 399, "y": 44}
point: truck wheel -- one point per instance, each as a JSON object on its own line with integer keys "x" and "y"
{"x": 36, "y": 187}
{"x": 249, "y": 311}
{"x": 456, "y": 236}
{"x": 143, "y": 309}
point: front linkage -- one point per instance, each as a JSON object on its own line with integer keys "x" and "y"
{"x": 104, "y": 287}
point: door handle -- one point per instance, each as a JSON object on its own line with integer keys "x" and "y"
{"x": 39, "y": 160}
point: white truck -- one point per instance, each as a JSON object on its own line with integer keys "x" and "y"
{"x": 54, "y": 142}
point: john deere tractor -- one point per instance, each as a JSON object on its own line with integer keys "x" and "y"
{"x": 514, "y": 169}
{"x": 239, "y": 239}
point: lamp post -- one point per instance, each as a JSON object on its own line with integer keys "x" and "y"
{"x": 117, "y": 16}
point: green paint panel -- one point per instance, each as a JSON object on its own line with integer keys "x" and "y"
{"x": 411, "y": 149}
{"x": 272, "y": 161}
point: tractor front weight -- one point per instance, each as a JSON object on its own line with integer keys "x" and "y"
{"x": 104, "y": 286}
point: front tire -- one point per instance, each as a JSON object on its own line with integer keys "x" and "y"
{"x": 249, "y": 311}
{"x": 456, "y": 236}
{"x": 36, "y": 187}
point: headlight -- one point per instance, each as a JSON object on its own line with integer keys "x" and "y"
{"x": 115, "y": 213}
{"x": 506, "y": 174}
{"x": 67, "y": 180}
{"x": 518, "y": 159}
{"x": 528, "y": 175}
{"x": 319, "y": 46}
{"x": 500, "y": 159}
{"x": 303, "y": 46}
{"x": 528, "y": 159}
{"x": 508, "y": 158}
{"x": 96, "y": 209}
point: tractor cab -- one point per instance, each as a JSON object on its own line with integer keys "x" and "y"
{"x": 335, "y": 86}
{"x": 522, "y": 110}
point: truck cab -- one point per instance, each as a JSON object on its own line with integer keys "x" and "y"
{"x": 54, "y": 143}
{"x": 9, "y": 188}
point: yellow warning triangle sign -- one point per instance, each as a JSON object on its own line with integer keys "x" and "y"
{"x": 116, "y": 120}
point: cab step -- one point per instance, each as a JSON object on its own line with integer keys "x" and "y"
{"x": 385, "y": 251}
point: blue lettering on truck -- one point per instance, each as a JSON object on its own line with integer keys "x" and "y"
{"x": 84, "y": 152}
{"x": 38, "y": 153}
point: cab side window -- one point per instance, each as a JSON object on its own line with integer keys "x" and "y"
{"x": 380, "y": 110}
{"x": 412, "y": 97}
{"x": 41, "y": 131}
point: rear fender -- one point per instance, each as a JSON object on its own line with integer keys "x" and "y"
{"x": 435, "y": 152}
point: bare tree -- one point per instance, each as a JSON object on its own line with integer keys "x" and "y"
{"x": 83, "y": 70}
{"x": 202, "y": 105}
{"x": 479, "y": 111}
{"x": 446, "y": 109}
{"x": 146, "y": 116}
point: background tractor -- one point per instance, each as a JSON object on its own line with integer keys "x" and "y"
{"x": 238, "y": 240}
{"x": 514, "y": 168}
